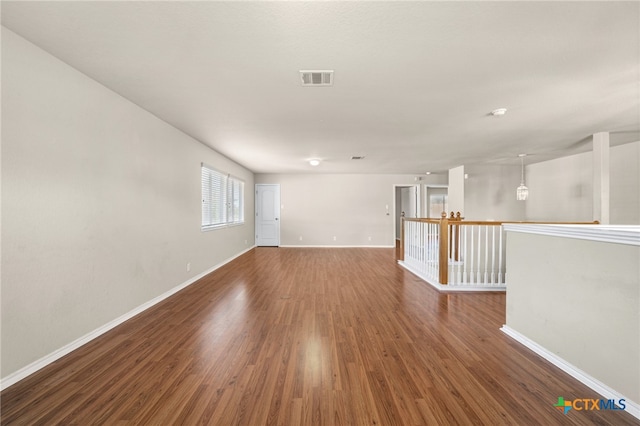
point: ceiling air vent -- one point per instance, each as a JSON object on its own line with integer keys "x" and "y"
{"x": 357, "y": 157}
{"x": 316, "y": 78}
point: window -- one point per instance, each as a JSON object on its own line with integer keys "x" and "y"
{"x": 222, "y": 199}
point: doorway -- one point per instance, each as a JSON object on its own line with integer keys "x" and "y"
{"x": 436, "y": 199}
{"x": 407, "y": 201}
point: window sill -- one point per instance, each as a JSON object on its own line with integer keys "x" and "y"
{"x": 222, "y": 225}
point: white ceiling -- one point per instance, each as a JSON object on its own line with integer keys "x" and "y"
{"x": 414, "y": 81}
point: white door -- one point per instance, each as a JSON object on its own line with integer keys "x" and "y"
{"x": 409, "y": 199}
{"x": 267, "y": 215}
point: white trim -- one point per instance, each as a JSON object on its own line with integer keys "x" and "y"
{"x": 327, "y": 246}
{"x": 632, "y": 407}
{"x": 450, "y": 288}
{"x": 15, "y": 377}
{"x": 619, "y": 234}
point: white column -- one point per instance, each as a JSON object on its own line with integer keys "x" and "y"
{"x": 456, "y": 190}
{"x": 601, "y": 177}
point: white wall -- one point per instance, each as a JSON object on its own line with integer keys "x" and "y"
{"x": 624, "y": 205}
{"x": 490, "y": 193}
{"x": 352, "y": 208}
{"x": 100, "y": 205}
{"x": 562, "y": 189}
{"x": 583, "y": 306}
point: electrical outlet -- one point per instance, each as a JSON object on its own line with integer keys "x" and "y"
{"x": 188, "y": 266}
{"x": 369, "y": 238}
{"x": 246, "y": 242}
{"x": 300, "y": 237}
{"x": 335, "y": 238}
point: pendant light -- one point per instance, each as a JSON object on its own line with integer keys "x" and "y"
{"x": 522, "y": 192}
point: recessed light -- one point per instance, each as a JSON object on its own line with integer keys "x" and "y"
{"x": 427, "y": 173}
{"x": 314, "y": 162}
{"x": 499, "y": 112}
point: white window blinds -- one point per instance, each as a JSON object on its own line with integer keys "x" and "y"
{"x": 222, "y": 198}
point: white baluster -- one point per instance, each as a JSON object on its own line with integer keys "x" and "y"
{"x": 486, "y": 254}
{"x": 423, "y": 246}
{"x": 414, "y": 251}
{"x": 406, "y": 243}
{"x": 416, "y": 255}
{"x": 459, "y": 263}
{"x": 409, "y": 239}
{"x": 471, "y": 255}
{"x": 465, "y": 277}
{"x": 436, "y": 253}
{"x": 417, "y": 245}
{"x": 431, "y": 250}
{"x": 501, "y": 279}
{"x": 493, "y": 255}
{"x": 479, "y": 265}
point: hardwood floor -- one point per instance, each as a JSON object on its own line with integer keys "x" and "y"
{"x": 306, "y": 336}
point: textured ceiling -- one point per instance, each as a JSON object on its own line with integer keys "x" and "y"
{"x": 414, "y": 81}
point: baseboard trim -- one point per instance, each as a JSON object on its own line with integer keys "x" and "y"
{"x": 26, "y": 371}
{"x": 326, "y": 246}
{"x": 452, "y": 288}
{"x": 632, "y": 407}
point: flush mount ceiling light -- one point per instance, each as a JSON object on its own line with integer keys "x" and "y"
{"x": 427, "y": 173}
{"x": 522, "y": 192}
{"x": 314, "y": 162}
{"x": 499, "y": 112}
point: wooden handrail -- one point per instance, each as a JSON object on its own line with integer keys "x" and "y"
{"x": 497, "y": 223}
{"x": 449, "y": 231}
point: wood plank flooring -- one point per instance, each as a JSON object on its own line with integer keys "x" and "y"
{"x": 306, "y": 336}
